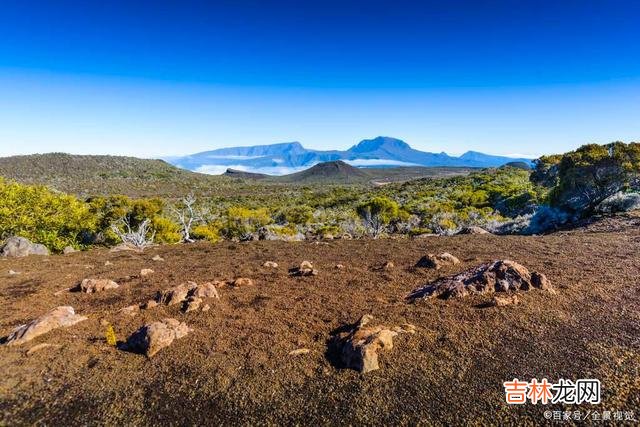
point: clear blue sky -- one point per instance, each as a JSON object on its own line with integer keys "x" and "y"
{"x": 164, "y": 78}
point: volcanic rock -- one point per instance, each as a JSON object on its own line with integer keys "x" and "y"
{"x": 155, "y": 336}
{"x": 62, "y": 316}
{"x": 496, "y": 276}
{"x": 437, "y": 261}
{"x": 90, "y": 286}
{"x": 359, "y": 347}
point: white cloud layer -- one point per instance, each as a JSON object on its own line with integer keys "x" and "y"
{"x": 271, "y": 170}
{"x": 378, "y": 162}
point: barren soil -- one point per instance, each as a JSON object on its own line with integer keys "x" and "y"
{"x": 235, "y": 367}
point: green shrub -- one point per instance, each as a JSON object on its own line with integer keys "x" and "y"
{"x": 43, "y": 216}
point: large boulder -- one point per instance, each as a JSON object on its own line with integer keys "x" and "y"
{"x": 496, "y": 276}
{"x": 21, "y": 247}
{"x": 155, "y": 336}
{"x": 359, "y": 347}
{"x": 62, "y": 316}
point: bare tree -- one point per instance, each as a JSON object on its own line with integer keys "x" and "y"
{"x": 188, "y": 215}
{"x": 140, "y": 238}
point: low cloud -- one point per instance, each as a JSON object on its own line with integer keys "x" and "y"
{"x": 378, "y": 162}
{"x": 268, "y": 170}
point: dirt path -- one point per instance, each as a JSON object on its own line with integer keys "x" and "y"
{"x": 235, "y": 367}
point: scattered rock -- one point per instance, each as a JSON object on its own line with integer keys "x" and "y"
{"x": 299, "y": 351}
{"x": 69, "y": 250}
{"x": 359, "y": 347}
{"x": 305, "y": 269}
{"x": 473, "y": 230}
{"x": 207, "y": 290}
{"x": 176, "y": 295}
{"x": 499, "y": 301}
{"x": 89, "y": 286}
{"x": 42, "y": 346}
{"x": 157, "y": 258}
{"x": 155, "y": 336}
{"x": 15, "y": 247}
{"x": 146, "y": 272}
{"x": 122, "y": 247}
{"x": 406, "y": 328}
{"x": 540, "y": 281}
{"x": 62, "y": 316}
{"x": 150, "y": 304}
{"x": 437, "y": 261}
{"x": 191, "y": 304}
{"x": 496, "y": 276}
{"x": 132, "y": 310}
{"x": 242, "y": 281}
{"x": 270, "y": 264}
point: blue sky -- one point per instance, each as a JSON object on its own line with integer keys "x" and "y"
{"x": 167, "y": 78}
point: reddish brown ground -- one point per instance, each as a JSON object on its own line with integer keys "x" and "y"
{"x": 235, "y": 368}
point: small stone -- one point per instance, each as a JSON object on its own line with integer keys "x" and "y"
{"x": 540, "y": 281}
{"x": 176, "y": 295}
{"x": 299, "y": 351}
{"x": 207, "y": 290}
{"x": 69, "y": 250}
{"x": 42, "y": 346}
{"x": 389, "y": 265}
{"x": 146, "y": 272}
{"x": 150, "y": 304}
{"x": 339, "y": 266}
{"x": 107, "y": 263}
{"x": 437, "y": 261}
{"x": 13, "y": 273}
{"x": 131, "y": 310}
{"x": 270, "y": 264}
{"x": 155, "y": 336}
{"x": 242, "y": 281}
{"x": 305, "y": 269}
{"x": 498, "y": 301}
{"x": 96, "y": 285}
{"x": 157, "y": 258}
{"x": 359, "y": 348}
{"x": 192, "y": 303}
{"x": 206, "y": 307}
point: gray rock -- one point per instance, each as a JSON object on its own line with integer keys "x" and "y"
{"x": 21, "y": 247}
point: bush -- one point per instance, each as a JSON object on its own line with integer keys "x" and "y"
{"x": 241, "y": 221}
{"x": 210, "y": 232}
{"x": 377, "y": 214}
{"x": 54, "y": 219}
{"x": 590, "y": 174}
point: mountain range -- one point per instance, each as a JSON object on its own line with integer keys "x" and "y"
{"x": 289, "y": 157}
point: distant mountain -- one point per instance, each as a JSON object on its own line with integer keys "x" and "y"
{"x": 334, "y": 172}
{"x": 280, "y": 159}
{"x": 233, "y": 173}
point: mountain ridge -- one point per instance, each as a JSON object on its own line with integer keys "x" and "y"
{"x": 290, "y": 157}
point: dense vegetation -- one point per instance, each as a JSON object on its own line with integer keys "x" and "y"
{"x": 561, "y": 188}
